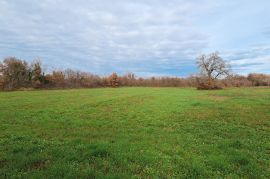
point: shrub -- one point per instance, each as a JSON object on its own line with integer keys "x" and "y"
{"x": 206, "y": 86}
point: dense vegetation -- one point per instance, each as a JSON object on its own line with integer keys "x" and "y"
{"x": 135, "y": 132}
{"x": 17, "y": 74}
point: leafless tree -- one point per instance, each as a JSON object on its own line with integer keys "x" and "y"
{"x": 212, "y": 67}
{"x": 16, "y": 73}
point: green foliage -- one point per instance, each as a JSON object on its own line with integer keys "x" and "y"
{"x": 135, "y": 133}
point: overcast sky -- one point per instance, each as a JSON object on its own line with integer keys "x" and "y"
{"x": 147, "y": 37}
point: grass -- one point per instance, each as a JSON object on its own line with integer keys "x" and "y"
{"x": 135, "y": 133}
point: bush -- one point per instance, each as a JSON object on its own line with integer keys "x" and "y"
{"x": 205, "y": 86}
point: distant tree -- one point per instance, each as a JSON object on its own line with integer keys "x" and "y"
{"x": 58, "y": 79}
{"x": 90, "y": 80}
{"x": 113, "y": 80}
{"x": 73, "y": 78}
{"x": 212, "y": 67}
{"x": 235, "y": 80}
{"x": 214, "y": 73}
{"x": 258, "y": 79}
{"x": 48, "y": 82}
{"x": 191, "y": 81}
{"x": 128, "y": 79}
{"x": 15, "y": 73}
{"x": 37, "y": 76}
{"x": 2, "y": 81}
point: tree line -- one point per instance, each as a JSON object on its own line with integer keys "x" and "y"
{"x": 18, "y": 74}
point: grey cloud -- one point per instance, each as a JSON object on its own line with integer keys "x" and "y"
{"x": 254, "y": 59}
{"x": 148, "y": 37}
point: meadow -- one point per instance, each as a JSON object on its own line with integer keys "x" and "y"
{"x": 135, "y": 133}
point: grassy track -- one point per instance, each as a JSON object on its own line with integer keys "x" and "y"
{"x": 135, "y": 132}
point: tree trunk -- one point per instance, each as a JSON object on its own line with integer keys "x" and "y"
{"x": 210, "y": 81}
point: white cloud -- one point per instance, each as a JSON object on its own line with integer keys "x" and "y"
{"x": 105, "y": 36}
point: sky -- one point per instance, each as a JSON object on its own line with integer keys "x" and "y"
{"x": 146, "y": 37}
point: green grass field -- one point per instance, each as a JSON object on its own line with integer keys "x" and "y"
{"x": 135, "y": 133}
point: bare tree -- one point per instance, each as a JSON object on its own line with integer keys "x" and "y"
{"x": 212, "y": 67}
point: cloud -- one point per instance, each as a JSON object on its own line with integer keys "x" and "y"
{"x": 255, "y": 59}
{"x": 145, "y": 37}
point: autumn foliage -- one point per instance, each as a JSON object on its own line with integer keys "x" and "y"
{"x": 113, "y": 80}
{"x": 18, "y": 74}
